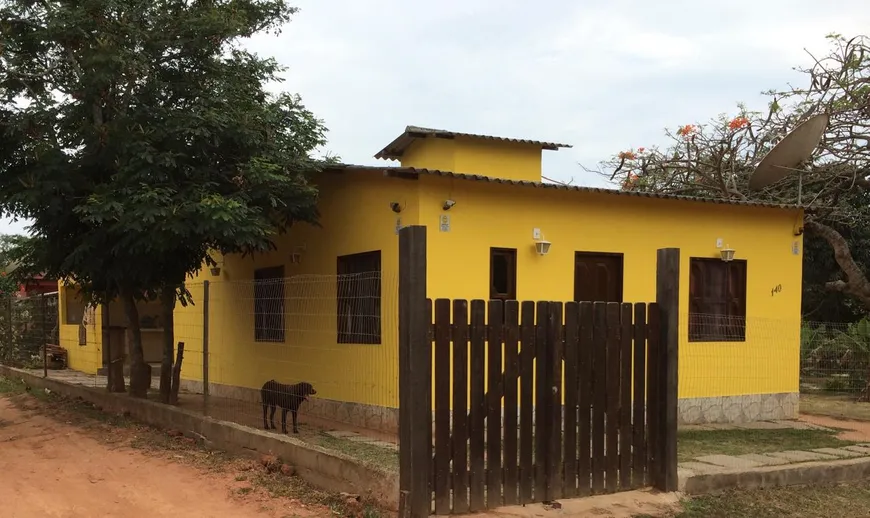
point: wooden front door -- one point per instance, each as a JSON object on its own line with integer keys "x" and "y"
{"x": 597, "y": 277}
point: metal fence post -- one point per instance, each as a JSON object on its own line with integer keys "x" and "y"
{"x": 668, "y": 300}
{"x": 205, "y": 286}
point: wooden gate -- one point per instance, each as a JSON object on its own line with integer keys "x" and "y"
{"x": 533, "y": 401}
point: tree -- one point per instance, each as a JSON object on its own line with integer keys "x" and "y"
{"x": 138, "y": 136}
{"x": 717, "y": 159}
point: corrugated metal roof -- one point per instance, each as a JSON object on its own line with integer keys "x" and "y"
{"x": 556, "y": 186}
{"x": 395, "y": 149}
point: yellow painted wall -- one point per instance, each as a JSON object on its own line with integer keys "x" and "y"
{"x": 355, "y": 217}
{"x": 431, "y": 153}
{"x": 492, "y": 215}
{"x": 476, "y": 156}
{"x": 85, "y": 358}
{"x": 498, "y": 159}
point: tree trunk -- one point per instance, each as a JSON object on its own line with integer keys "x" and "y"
{"x": 115, "y": 355}
{"x": 167, "y": 304}
{"x": 856, "y": 283}
{"x": 140, "y": 372}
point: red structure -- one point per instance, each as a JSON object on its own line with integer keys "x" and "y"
{"x": 38, "y": 284}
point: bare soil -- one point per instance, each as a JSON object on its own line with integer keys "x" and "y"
{"x": 51, "y": 466}
{"x": 858, "y": 431}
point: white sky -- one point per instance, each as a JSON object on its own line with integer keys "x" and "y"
{"x": 601, "y": 75}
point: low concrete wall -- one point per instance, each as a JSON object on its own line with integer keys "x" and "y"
{"x": 827, "y": 472}
{"x": 377, "y": 418}
{"x": 326, "y": 469}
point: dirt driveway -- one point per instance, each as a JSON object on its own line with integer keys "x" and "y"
{"x": 55, "y": 469}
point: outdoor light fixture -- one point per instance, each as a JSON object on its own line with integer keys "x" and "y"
{"x": 448, "y": 204}
{"x": 727, "y": 254}
{"x": 542, "y": 246}
{"x": 215, "y": 271}
{"x": 296, "y": 255}
{"x": 395, "y": 207}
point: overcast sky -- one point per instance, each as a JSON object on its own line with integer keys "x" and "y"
{"x": 601, "y": 75}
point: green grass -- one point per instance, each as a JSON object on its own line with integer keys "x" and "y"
{"x": 368, "y": 454}
{"x": 836, "y": 406}
{"x": 842, "y": 501}
{"x": 696, "y": 443}
{"x": 11, "y": 387}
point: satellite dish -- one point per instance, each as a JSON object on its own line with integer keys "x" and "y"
{"x": 789, "y": 152}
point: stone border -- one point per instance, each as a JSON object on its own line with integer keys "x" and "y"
{"x": 776, "y": 476}
{"x": 329, "y": 470}
{"x": 739, "y": 409}
{"x": 372, "y": 417}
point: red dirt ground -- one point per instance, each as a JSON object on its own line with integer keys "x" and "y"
{"x": 56, "y": 469}
{"x": 858, "y": 431}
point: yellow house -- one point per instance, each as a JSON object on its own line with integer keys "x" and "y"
{"x": 323, "y": 306}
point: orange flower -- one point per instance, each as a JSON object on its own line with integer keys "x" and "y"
{"x": 686, "y": 130}
{"x": 738, "y": 122}
{"x": 641, "y": 149}
{"x": 627, "y": 155}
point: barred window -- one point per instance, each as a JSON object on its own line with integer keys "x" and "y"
{"x": 717, "y": 300}
{"x": 359, "y": 298}
{"x": 269, "y": 304}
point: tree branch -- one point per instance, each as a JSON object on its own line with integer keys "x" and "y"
{"x": 856, "y": 283}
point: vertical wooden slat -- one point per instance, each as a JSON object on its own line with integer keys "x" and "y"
{"x": 511, "y": 373}
{"x": 493, "y": 419}
{"x": 478, "y": 404}
{"x": 572, "y": 334}
{"x": 584, "y": 433}
{"x": 460, "y": 406}
{"x": 625, "y": 336}
{"x": 639, "y": 419}
{"x": 430, "y": 473}
{"x": 542, "y": 416}
{"x": 599, "y": 392}
{"x": 611, "y": 446}
{"x": 654, "y": 408}
{"x": 442, "y": 406}
{"x": 554, "y": 440}
{"x": 527, "y": 384}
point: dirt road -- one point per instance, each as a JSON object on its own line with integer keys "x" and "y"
{"x": 55, "y": 469}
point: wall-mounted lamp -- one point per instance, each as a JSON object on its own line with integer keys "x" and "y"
{"x": 215, "y": 271}
{"x": 727, "y": 254}
{"x": 542, "y": 246}
{"x": 395, "y": 207}
{"x": 448, "y": 204}
{"x": 296, "y": 255}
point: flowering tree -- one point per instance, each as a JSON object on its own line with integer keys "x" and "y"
{"x": 716, "y": 159}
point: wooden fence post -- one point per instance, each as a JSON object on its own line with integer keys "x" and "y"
{"x": 668, "y": 300}
{"x": 205, "y": 324}
{"x": 415, "y": 372}
{"x": 44, "y": 310}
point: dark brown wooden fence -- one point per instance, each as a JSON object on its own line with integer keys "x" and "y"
{"x": 533, "y": 401}
{"x": 536, "y": 401}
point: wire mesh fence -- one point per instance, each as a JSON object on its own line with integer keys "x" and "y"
{"x": 26, "y": 324}
{"x": 339, "y": 333}
{"x": 336, "y": 333}
{"x": 835, "y": 358}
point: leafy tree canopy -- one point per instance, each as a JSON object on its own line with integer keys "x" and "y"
{"x": 137, "y": 135}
